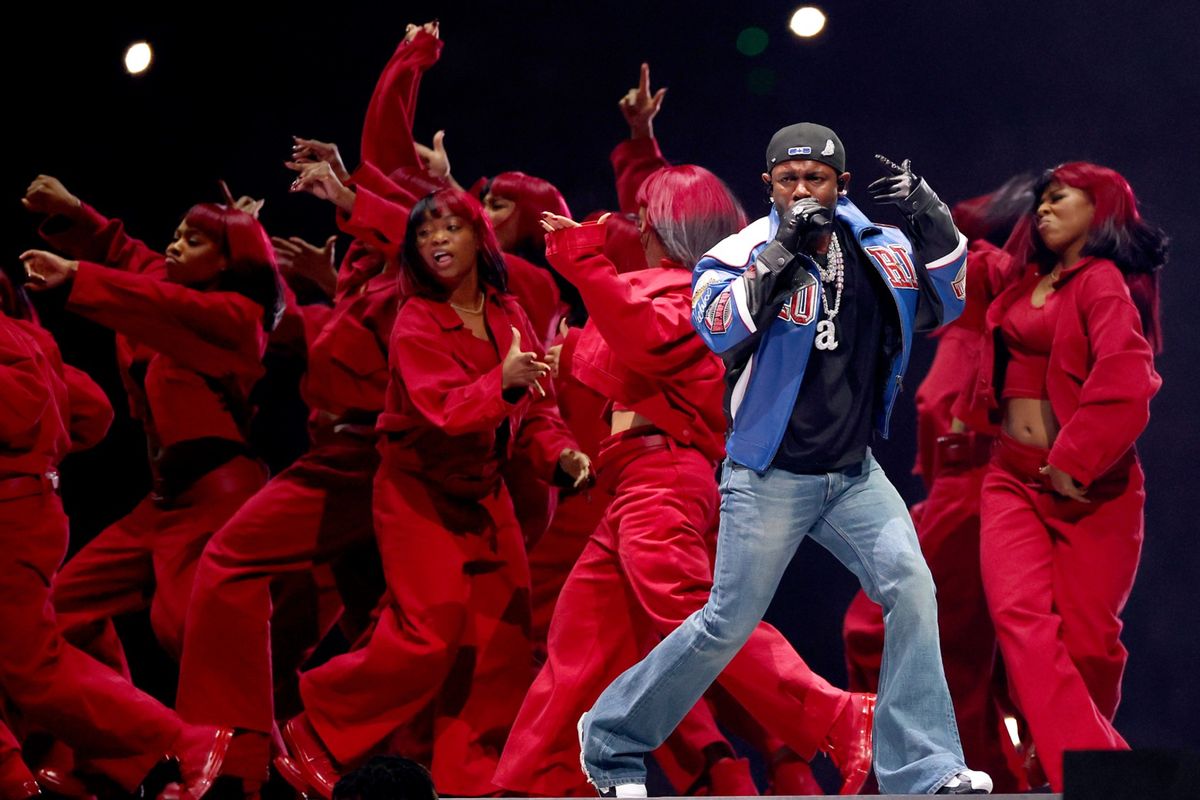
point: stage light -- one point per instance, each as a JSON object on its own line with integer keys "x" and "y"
{"x": 137, "y": 58}
{"x": 752, "y": 41}
{"x": 807, "y": 22}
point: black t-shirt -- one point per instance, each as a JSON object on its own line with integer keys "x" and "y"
{"x": 834, "y": 415}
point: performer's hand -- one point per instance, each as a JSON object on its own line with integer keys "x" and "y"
{"x": 521, "y": 368}
{"x": 435, "y": 159}
{"x": 800, "y": 224}
{"x": 319, "y": 180}
{"x": 47, "y": 195}
{"x": 1064, "y": 484}
{"x": 557, "y": 222}
{"x": 45, "y": 270}
{"x": 310, "y": 151}
{"x": 639, "y": 106}
{"x": 433, "y": 28}
{"x": 577, "y": 465}
{"x": 554, "y": 358}
{"x": 299, "y": 259}
{"x": 902, "y": 188}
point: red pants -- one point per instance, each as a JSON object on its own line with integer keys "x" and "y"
{"x": 454, "y": 637}
{"x": 54, "y": 686}
{"x": 307, "y": 515}
{"x": 947, "y": 524}
{"x": 148, "y": 558}
{"x": 553, "y": 556}
{"x": 1057, "y": 573}
{"x": 647, "y": 567}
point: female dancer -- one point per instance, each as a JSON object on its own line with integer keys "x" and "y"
{"x": 200, "y": 314}
{"x": 1067, "y": 369}
{"x": 463, "y": 400}
{"x": 47, "y": 409}
{"x": 650, "y": 558}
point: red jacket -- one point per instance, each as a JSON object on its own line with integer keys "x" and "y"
{"x": 634, "y": 160}
{"x": 347, "y": 372}
{"x": 639, "y": 348}
{"x": 387, "y": 130}
{"x": 445, "y": 414}
{"x": 1101, "y": 373}
{"x": 47, "y": 408}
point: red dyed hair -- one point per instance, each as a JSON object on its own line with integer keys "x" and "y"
{"x": 690, "y": 209}
{"x": 532, "y": 196}
{"x": 1118, "y": 233}
{"x": 416, "y": 275}
{"x": 252, "y": 271}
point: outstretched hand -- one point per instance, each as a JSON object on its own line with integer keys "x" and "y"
{"x": 435, "y": 158}
{"x": 521, "y": 367}
{"x": 310, "y": 151}
{"x": 433, "y": 28}
{"x": 47, "y": 195}
{"x": 640, "y": 106}
{"x": 299, "y": 259}
{"x": 895, "y": 187}
{"x": 45, "y": 270}
{"x": 319, "y": 180}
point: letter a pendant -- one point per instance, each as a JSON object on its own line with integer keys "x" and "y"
{"x": 826, "y": 335}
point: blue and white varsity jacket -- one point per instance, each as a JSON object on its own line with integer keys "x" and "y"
{"x": 766, "y": 353}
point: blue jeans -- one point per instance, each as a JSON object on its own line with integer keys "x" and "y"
{"x": 859, "y": 517}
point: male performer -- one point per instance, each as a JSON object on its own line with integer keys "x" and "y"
{"x": 813, "y": 308}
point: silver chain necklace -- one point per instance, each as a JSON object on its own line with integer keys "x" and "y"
{"x": 833, "y": 272}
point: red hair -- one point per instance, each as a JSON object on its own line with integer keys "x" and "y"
{"x": 415, "y": 273}
{"x": 532, "y": 196}
{"x": 252, "y": 271}
{"x": 690, "y": 209}
{"x": 1118, "y": 233}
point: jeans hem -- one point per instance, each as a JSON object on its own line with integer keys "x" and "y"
{"x": 946, "y": 779}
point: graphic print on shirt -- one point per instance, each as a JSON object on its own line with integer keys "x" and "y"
{"x": 897, "y": 266}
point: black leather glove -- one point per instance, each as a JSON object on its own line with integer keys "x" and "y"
{"x": 799, "y": 225}
{"x": 902, "y": 188}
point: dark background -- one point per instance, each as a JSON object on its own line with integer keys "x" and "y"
{"x": 972, "y": 92}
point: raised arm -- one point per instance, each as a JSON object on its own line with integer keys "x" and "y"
{"x": 940, "y": 248}
{"x": 81, "y": 232}
{"x": 387, "y": 140}
{"x": 637, "y": 157}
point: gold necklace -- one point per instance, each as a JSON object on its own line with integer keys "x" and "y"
{"x": 477, "y": 310}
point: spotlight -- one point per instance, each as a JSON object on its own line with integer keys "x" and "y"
{"x": 807, "y": 22}
{"x": 138, "y": 57}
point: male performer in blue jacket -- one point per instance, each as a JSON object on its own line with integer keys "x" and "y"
{"x": 813, "y": 308}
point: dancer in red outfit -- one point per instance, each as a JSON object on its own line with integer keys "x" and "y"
{"x": 650, "y": 558}
{"x": 1072, "y": 337}
{"x": 46, "y": 410}
{"x": 464, "y": 397}
{"x": 951, "y": 462}
{"x": 199, "y": 316}
{"x": 320, "y": 507}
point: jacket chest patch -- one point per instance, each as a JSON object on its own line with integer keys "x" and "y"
{"x": 801, "y": 309}
{"x": 895, "y": 264}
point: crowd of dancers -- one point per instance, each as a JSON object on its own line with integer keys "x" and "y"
{"x": 511, "y": 494}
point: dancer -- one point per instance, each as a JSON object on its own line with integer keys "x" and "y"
{"x": 199, "y": 315}
{"x": 1072, "y": 334}
{"x": 804, "y": 389}
{"x": 48, "y": 409}
{"x": 464, "y": 397}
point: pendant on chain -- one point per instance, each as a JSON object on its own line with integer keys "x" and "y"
{"x": 826, "y": 335}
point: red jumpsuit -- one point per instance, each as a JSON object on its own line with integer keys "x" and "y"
{"x": 648, "y": 565}
{"x": 952, "y": 466}
{"x": 190, "y": 359}
{"x": 308, "y": 515}
{"x": 47, "y": 409}
{"x": 455, "y": 636}
{"x": 1057, "y": 572}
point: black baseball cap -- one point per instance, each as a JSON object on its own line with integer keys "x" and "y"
{"x": 807, "y": 140}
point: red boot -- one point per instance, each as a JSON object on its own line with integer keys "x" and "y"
{"x": 849, "y": 741}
